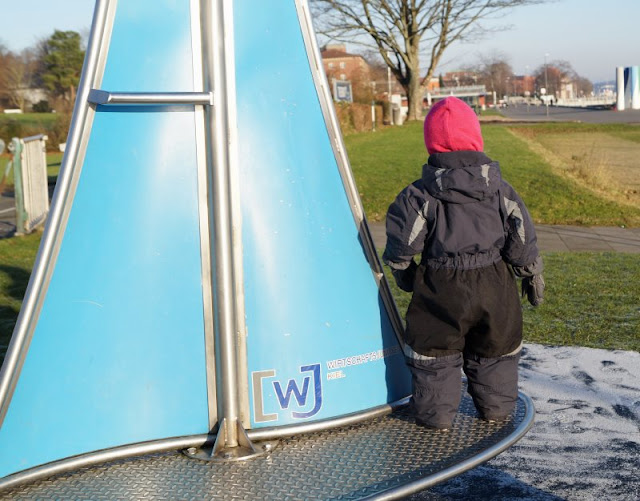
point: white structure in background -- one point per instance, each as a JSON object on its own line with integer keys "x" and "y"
{"x": 399, "y": 111}
{"x": 29, "y": 165}
{"x": 628, "y": 87}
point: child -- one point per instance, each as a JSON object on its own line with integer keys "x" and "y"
{"x": 465, "y": 312}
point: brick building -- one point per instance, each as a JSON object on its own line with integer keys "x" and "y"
{"x": 340, "y": 64}
{"x": 523, "y": 85}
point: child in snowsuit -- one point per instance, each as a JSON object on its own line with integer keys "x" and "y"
{"x": 468, "y": 224}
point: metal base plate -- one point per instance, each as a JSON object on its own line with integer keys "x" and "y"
{"x": 388, "y": 456}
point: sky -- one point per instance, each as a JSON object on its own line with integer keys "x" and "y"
{"x": 594, "y": 36}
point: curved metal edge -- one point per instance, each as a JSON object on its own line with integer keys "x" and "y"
{"x": 63, "y": 194}
{"x": 177, "y": 443}
{"x": 483, "y": 457}
{"x": 325, "y": 424}
{"x": 98, "y": 457}
{"x": 340, "y": 153}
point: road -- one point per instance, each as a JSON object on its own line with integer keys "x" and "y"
{"x": 563, "y": 114}
{"x": 7, "y": 215}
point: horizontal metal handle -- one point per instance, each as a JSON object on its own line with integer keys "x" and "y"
{"x": 104, "y": 97}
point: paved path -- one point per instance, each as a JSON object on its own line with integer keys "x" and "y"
{"x": 550, "y": 238}
{"x": 555, "y": 238}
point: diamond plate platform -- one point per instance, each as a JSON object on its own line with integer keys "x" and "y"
{"x": 384, "y": 458}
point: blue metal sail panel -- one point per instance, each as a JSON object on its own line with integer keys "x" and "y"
{"x": 320, "y": 343}
{"x": 117, "y": 355}
{"x": 151, "y": 43}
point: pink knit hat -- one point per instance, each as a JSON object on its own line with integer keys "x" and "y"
{"x": 452, "y": 125}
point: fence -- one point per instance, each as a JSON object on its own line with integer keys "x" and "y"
{"x": 30, "y": 181}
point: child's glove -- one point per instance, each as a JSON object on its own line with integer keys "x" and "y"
{"x": 533, "y": 288}
{"x": 404, "y": 278}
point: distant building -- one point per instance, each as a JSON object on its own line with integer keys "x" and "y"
{"x": 30, "y": 96}
{"x": 341, "y": 65}
{"x": 523, "y": 85}
{"x": 462, "y": 78}
{"x": 461, "y": 84}
{"x": 604, "y": 88}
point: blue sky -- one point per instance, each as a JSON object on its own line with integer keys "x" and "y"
{"x": 593, "y": 35}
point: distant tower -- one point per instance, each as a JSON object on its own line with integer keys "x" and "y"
{"x": 628, "y": 87}
{"x": 620, "y": 88}
{"x": 634, "y": 87}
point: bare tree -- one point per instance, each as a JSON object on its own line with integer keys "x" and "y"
{"x": 402, "y": 30}
{"x": 496, "y": 72}
{"x": 584, "y": 86}
{"x": 16, "y": 75}
{"x": 556, "y": 73}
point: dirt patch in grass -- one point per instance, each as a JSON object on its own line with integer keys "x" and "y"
{"x": 604, "y": 163}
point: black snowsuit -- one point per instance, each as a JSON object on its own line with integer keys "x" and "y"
{"x": 467, "y": 224}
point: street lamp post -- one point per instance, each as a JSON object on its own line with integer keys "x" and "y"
{"x": 546, "y": 83}
{"x": 389, "y": 90}
{"x": 525, "y": 86}
{"x": 373, "y": 107}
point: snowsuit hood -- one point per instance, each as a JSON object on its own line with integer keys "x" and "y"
{"x": 461, "y": 177}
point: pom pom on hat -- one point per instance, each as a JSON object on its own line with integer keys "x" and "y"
{"x": 451, "y": 125}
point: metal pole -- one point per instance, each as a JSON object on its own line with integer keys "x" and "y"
{"x": 373, "y": 107}
{"x": 546, "y": 83}
{"x": 219, "y": 75}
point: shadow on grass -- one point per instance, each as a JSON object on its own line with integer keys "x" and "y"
{"x": 14, "y": 291}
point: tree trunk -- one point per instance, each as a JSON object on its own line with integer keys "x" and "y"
{"x": 414, "y": 97}
{"x": 413, "y": 87}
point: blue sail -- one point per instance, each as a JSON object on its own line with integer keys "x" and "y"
{"x": 115, "y": 345}
{"x": 117, "y": 354}
{"x": 311, "y": 296}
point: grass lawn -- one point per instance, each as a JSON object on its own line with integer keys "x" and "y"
{"x": 387, "y": 160}
{"x": 601, "y": 157}
{"x": 16, "y": 260}
{"x": 44, "y": 120}
{"x": 591, "y": 299}
{"x": 53, "y": 167}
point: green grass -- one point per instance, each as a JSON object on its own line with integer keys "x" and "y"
{"x": 490, "y": 112}
{"x": 54, "y": 161}
{"x": 44, "y": 120}
{"x": 385, "y": 161}
{"x": 16, "y": 260}
{"x": 591, "y": 299}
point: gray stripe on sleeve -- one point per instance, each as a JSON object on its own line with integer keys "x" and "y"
{"x": 419, "y": 224}
{"x": 438, "y": 174}
{"x": 485, "y": 172}
{"x": 513, "y": 210}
